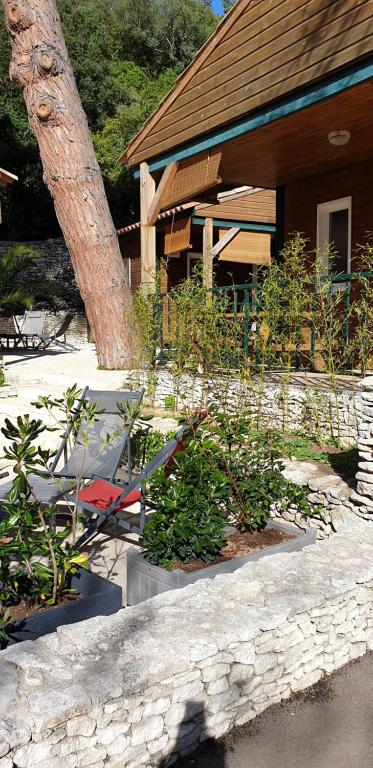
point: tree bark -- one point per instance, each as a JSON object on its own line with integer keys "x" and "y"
{"x": 40, "y": 65}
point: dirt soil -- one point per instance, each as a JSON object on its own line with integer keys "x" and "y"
{"x": 238, "y": 545}
{"x": 24, "y": 611}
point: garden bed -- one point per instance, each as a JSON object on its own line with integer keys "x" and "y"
{"x": 96, "y": 597}
{"x": 145, "y": 580}
{"x": 239, "y": 545}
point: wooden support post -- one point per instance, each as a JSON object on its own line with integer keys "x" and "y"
{"x": 163, "y": 189}
{"x": 208, "y": 242}
{"x": 148, "y": 232}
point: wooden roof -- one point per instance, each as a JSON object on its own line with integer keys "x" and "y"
{"x": 258, "y": 206}
{"x": 163, "y": 215}
{"x": 248, "y": 206}
{"x": 6, "y": 177}
{"x": 261, "y": 51}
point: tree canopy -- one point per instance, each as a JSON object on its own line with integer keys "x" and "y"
{"x": 126, "y": 55}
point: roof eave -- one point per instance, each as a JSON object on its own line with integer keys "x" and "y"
{"x": 223, "y": 26}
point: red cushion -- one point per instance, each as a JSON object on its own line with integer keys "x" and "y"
{"x": 102, "y": 494}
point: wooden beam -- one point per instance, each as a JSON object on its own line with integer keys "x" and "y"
{"x": 228, "y": 237}
{"x": 250, "y": 226}
{"x": 208, "y": 242}
{"x": 148, "y": 233}
{"x": 6, "y": 177}
{"x": 163, "y": 189}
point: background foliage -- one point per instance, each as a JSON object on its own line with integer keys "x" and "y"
{"x": 126, "y": 55}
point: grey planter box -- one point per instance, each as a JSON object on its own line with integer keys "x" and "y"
{"x": 98, "y": 597}
{"x": 145, "y": 580}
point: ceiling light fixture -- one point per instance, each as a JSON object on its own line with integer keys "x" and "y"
{"x": 339, "y": 138}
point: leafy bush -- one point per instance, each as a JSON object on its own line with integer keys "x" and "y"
{"x": 145, "y": 444}
{"x": 170, "y": 402}
{"x": 228, "y": 473}
{"x": 36, "y": 565}
{"x": 251, "y": 460}
{"x": 188, "y": 520}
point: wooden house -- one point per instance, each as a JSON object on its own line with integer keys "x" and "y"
{"x": 280, "y": 97}
{"x": 243, "y": 231}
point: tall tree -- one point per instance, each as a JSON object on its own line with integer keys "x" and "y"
{"x": 227, "y": 5}
{"x": 40, "y": 66}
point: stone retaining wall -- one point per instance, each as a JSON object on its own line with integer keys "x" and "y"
{"x": 310, "y": 405}
{"x": 362, "y": 498}
{"x": 154, "y": 681}
{"x": 55, "y": 266}
{"x": 329, "y": 495}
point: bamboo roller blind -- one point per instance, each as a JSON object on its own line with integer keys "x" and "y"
{"x": 193, "y": 175}
{"x": 177, "y": 236}
{"x": 247, "y": 248}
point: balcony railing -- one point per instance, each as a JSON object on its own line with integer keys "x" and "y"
{"x": 243, "y": 305}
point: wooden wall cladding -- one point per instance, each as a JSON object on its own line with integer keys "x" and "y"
{"x": 301, "y": 200}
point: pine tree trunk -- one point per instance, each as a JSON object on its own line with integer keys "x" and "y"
{"x": 40, "y": 66}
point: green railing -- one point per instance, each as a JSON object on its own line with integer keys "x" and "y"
{"x": 242, "y": 303}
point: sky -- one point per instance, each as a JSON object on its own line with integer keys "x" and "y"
{"x": 217, "y": 6}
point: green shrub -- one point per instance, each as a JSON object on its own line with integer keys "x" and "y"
{"x": 145, "y": 444}
{"x": 251, "y": 460}
{"x": 170, "y": 402}
{"x": 227, "y": 474}
{"x": 188, "y": 521}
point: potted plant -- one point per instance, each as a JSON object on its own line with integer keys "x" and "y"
{"x": 211, "y": 515}
{"x": 44, "y": 580}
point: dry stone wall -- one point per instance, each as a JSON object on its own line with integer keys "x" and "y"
{"x": 329, "y": 495}
{"x": 311, "y": 404}
{"x": 55, "y": 266}
{"x": 153, "y": 681}
{"x": 363, "y": 496}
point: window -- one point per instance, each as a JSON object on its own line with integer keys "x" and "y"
{"x": 192, "y": 258}
{"x": 334, "y": 229}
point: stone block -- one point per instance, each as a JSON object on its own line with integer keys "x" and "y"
{"x": 80, "y": 726}
{"x": 221, "y": 700}
{"x": 240, "y": 673}
{"x": 158, "y": 745}
{"x": 148, "y": 730}
{"x": 209, "y": 674}
{"x": 75, "y": 743}
{"x": 190, "y": 691}
{"x": 217, "y": 686}
{"x": 158, "y": 707}
{"x": 202, "y": 650}
{"x": 244, "y": 653}
{"x": 117, "y": 747}
{"x": 90, "y": 757}
{"x": 265, "y": 662}
{"x": 6, "y": 762}
{"x": 54, "y": 706}
{"x": 112, "y": 731}
{"x": 32, "y": 754}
